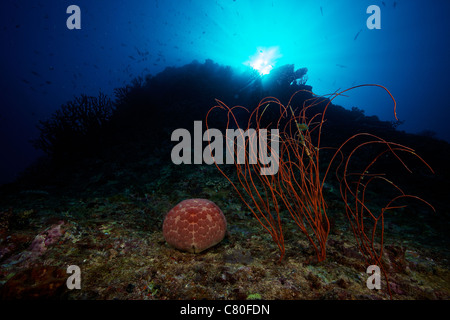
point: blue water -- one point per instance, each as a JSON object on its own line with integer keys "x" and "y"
{"x": 44, "y": 64}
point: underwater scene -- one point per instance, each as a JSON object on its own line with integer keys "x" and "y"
{"x": 224, "y": 150}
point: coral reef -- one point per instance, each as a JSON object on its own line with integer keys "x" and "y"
{"x": 117, "y": 241}
{"x": 75, "y": 127}
{"x": 103, "y": 209}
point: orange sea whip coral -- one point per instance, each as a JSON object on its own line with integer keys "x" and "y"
{"x": 298, "y": 184}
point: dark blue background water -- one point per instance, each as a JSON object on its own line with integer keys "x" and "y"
{"x": 43, "y": 64}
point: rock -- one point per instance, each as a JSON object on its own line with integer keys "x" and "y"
{"x": 41, "y": 282}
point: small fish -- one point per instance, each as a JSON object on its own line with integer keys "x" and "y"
{"x": 139, "y": 53}
{"x": 35, "y": 73}
{"x": 395, "y": 4}
{"x": 25, "y": 81}
{"x": 356, "y": 37}
{"x": 131, "y": 57}
{"x": 384, "y": 4}
{"x": 341, "y": 66}
{"x": 321, "y": 11}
